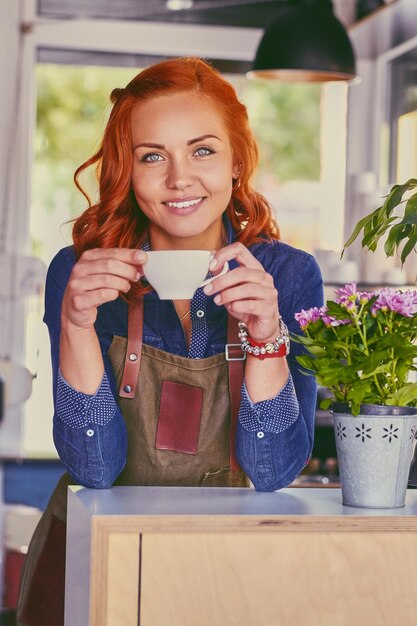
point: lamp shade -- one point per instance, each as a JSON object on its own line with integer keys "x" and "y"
{"x": 305, "y": 42}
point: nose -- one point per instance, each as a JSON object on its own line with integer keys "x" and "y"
{"x": 180, "y": 174}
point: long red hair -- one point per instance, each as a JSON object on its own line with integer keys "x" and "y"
{"x": 116, "y": 219}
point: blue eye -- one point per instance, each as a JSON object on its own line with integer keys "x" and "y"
{"x": 151, "y": 157}
{"x": 203, "y": 151}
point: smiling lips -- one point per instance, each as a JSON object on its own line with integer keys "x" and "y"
{"x": 184, "y": 206}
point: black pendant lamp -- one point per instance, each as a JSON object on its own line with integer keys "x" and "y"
{"x": 305, "y": 42}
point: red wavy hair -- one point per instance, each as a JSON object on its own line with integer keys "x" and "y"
{"x": 116, "y": 219}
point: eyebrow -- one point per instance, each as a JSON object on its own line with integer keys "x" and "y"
{"x": 159, "y": 146}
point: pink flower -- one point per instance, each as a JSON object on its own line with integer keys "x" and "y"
{"x": 350, "y": 305}
{"x": 332, "y": 321}
{"x": 348, "y": 292}
{"x": 350, "y": 298}
{"x": 365, "y": 296}
{"x": 306, "y": 317}
{"x": 403, "y": 303}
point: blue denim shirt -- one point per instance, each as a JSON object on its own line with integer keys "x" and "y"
{"x": 274, "y": 438}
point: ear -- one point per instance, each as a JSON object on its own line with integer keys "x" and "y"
{"x": 237, "y": 168}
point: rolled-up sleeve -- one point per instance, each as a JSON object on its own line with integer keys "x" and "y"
{"x": 79, "y": 409}
{"x": 274, "y": 415}
{"x": 89, "y": 431}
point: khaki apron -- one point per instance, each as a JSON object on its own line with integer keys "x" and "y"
{"x": 178, "y": 420}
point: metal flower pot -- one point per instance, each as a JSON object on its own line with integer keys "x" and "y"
{"x": 374, "y": 451}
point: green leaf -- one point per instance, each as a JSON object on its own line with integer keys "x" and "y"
{"x": 377, "y": 223}
{"x": 337, "y": 311}
{"x": 371, "y": 362}
{"x": 396, "y": 235}
{"x": 405, "y": 396}
{"x": 409, "y": 246}
{"x": 381, "y": 369}
{"x": 326, "y": 403}
{"x": 305, "y": 360}
{"x": 410, "y": 211}
{"x": 396, "y": 193}
{"x": 317, "y": 350}
{"x": 370, "y": 237}
{"x": 358, "y": 229}
{"x": 359, "y": 392}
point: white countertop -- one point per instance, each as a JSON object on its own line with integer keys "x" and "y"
{"x": 227, "y": 501}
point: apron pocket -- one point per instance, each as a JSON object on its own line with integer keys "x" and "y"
{"x": 179, "y": 417}
{"x": 44, "y": 602}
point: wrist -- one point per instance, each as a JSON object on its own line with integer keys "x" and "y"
{"x": 268, "y": 339}
{"x": 278, "y": 346}
{"x": 70, "y": 328}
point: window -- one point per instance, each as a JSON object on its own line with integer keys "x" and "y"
{"x": 403, "y": 117}
{"x": 301, "y": 132}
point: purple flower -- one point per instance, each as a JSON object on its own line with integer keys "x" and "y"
{"x": 332, "y": 321}
{"x": 306, "y": 317}
{"x": 350, "y": 298}
{"x": 327, "y": 319}
{"x": 349, "y": 305}
{"x": 365, "y": 296}
{"x": 348, "y": 292}
{"x": 403, "y": 303}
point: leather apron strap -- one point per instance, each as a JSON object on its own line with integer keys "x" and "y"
{"x": 131, "y": 369}
{"x": 134, "y": 349}
{"x": 235, "y": 359}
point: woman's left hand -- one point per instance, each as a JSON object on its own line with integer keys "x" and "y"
{"x": 247, "y": 292}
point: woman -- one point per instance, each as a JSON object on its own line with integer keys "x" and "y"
{"x": 174, "y": 168}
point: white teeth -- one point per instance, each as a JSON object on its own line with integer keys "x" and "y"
{"x": 184, "y": 205}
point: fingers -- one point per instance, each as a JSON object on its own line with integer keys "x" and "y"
{"x": 247, "y": 292}
{"x": 118, "y": 262}
{"x": 127, "y": 255}
{"x": 245, "y": 277}
{"x": 99, "y": 276}
{"x": 87, "y": 301}
{"x": 101, "y": 281}
{"x": 235, "y": 251}
{"x": 109, "y": 267}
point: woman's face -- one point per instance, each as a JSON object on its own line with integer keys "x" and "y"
{"x": 183, "y": 168}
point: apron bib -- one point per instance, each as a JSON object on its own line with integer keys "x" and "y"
{"x": 180, "y": 416}
{"x": 207, "y": 426}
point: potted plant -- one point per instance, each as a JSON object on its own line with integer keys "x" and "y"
{"x": 361, "y": 346}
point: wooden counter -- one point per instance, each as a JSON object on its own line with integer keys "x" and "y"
{"x": 156, "y": 556}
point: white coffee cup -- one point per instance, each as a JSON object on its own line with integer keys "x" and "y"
{"x": 177, "y": 274}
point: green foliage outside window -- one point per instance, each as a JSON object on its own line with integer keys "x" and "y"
{"x": 286, "y": 123}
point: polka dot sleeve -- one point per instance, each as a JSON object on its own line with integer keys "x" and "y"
{"x": 274, "y": 415}
{"x": 78, "y": 409}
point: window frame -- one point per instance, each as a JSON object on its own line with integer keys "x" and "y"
{"x": 385, "y": 149}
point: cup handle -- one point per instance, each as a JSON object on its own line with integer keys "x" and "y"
{"x": 225, "y": 269}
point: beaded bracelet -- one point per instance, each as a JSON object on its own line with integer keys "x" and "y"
{"x": 271, "y": 349}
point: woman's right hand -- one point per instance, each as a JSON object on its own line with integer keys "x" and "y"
{"x": 99, "y": 276}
